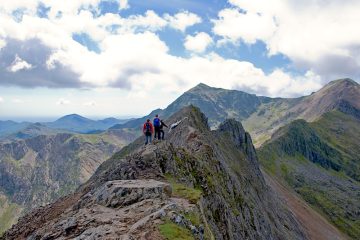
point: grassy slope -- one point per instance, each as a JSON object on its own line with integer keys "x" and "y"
{"x": 321, "y": 162}
{"x": 9, "y": 213}
{"x": 265, "y": 120}
{"x": 343, "y": 134}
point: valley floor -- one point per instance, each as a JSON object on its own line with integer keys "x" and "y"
{"x": 315, "y": 225}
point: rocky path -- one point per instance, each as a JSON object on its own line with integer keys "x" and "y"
{"x": 315, "y": 225}
{"x": 120, "y": 209}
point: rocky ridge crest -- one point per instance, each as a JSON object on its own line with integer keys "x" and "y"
{"x": 213, "y": 175}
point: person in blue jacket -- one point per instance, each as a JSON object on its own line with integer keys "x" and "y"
{"x": 156, "y": 124}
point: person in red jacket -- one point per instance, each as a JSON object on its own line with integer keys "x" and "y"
{"x": 148, "y": 130}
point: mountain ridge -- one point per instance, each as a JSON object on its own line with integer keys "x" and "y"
{"x": 229, "y": 206}
{"x": 261, "y": 116}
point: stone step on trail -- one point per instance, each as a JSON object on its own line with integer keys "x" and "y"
{"x": 122, "y": 193}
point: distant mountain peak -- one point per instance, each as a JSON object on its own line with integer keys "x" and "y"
{"x": 343, "y": 81}
{"x": 73, "y": 117}
{"x": 341, "y": 88}
{"x": 342, "y": 94}
{"x": 201, "y": 87}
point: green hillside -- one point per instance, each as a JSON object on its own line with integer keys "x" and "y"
{"x": 321, "y": 162}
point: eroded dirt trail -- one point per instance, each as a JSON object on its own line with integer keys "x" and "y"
{"x": 316, "y": 226}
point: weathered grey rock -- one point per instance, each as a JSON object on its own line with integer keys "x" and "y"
{"x": 145, "y": 203}
{"x": 122, "y": 193}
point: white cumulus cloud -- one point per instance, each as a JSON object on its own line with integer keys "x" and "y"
{"x": 1, "y": 100}
{"x": 322, "y": 36}
{"x": 234, "y": 25}
{"x": 10, "y": 6}
{"x": 182, "y": 20}
{"x": 198, "y": 43}
{"x": 132, "y": 55}
{"x": 19, "y": 64}
{"x": 123, "y": 4}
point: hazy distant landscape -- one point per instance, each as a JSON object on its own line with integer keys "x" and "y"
{"x": 71, "y": 123}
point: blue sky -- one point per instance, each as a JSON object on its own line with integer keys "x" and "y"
{"x": 126, "y": 57}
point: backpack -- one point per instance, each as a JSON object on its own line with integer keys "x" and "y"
{"x": 148, "y": 127}
{"x": 156, "y": 122}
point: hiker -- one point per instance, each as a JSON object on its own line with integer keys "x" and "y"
{"x": 148, "y": 131}
{"x": 162, "y": 133}
{"x": 157, "y": 123}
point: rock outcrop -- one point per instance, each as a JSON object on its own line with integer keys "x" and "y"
{"x": 141, "y": 192}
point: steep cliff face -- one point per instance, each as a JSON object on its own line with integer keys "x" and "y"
{"x": 198, "y": 183}
{"x": 320, "y": 161}
{"x": 39, "y": 170}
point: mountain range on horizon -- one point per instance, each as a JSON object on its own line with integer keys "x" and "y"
{"x": 260, "y": 115}
{"x": 302, "y": 143}
{"x": 72, "y": 123}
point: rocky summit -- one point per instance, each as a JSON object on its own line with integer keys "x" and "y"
{"x": 197, "y": 184}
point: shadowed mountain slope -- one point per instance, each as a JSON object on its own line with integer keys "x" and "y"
{"x": 321, "y": 162}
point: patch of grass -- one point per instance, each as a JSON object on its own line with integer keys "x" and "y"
{"x": 284, "y": 170}
{"x": 8, "y": 217}
{"x": 90, "y": 138}
{"x": 171, "y": 231}
{"x": 182, "y": 191}
{"x": 194, "y": 218}
{"x": 268, "y": 160}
